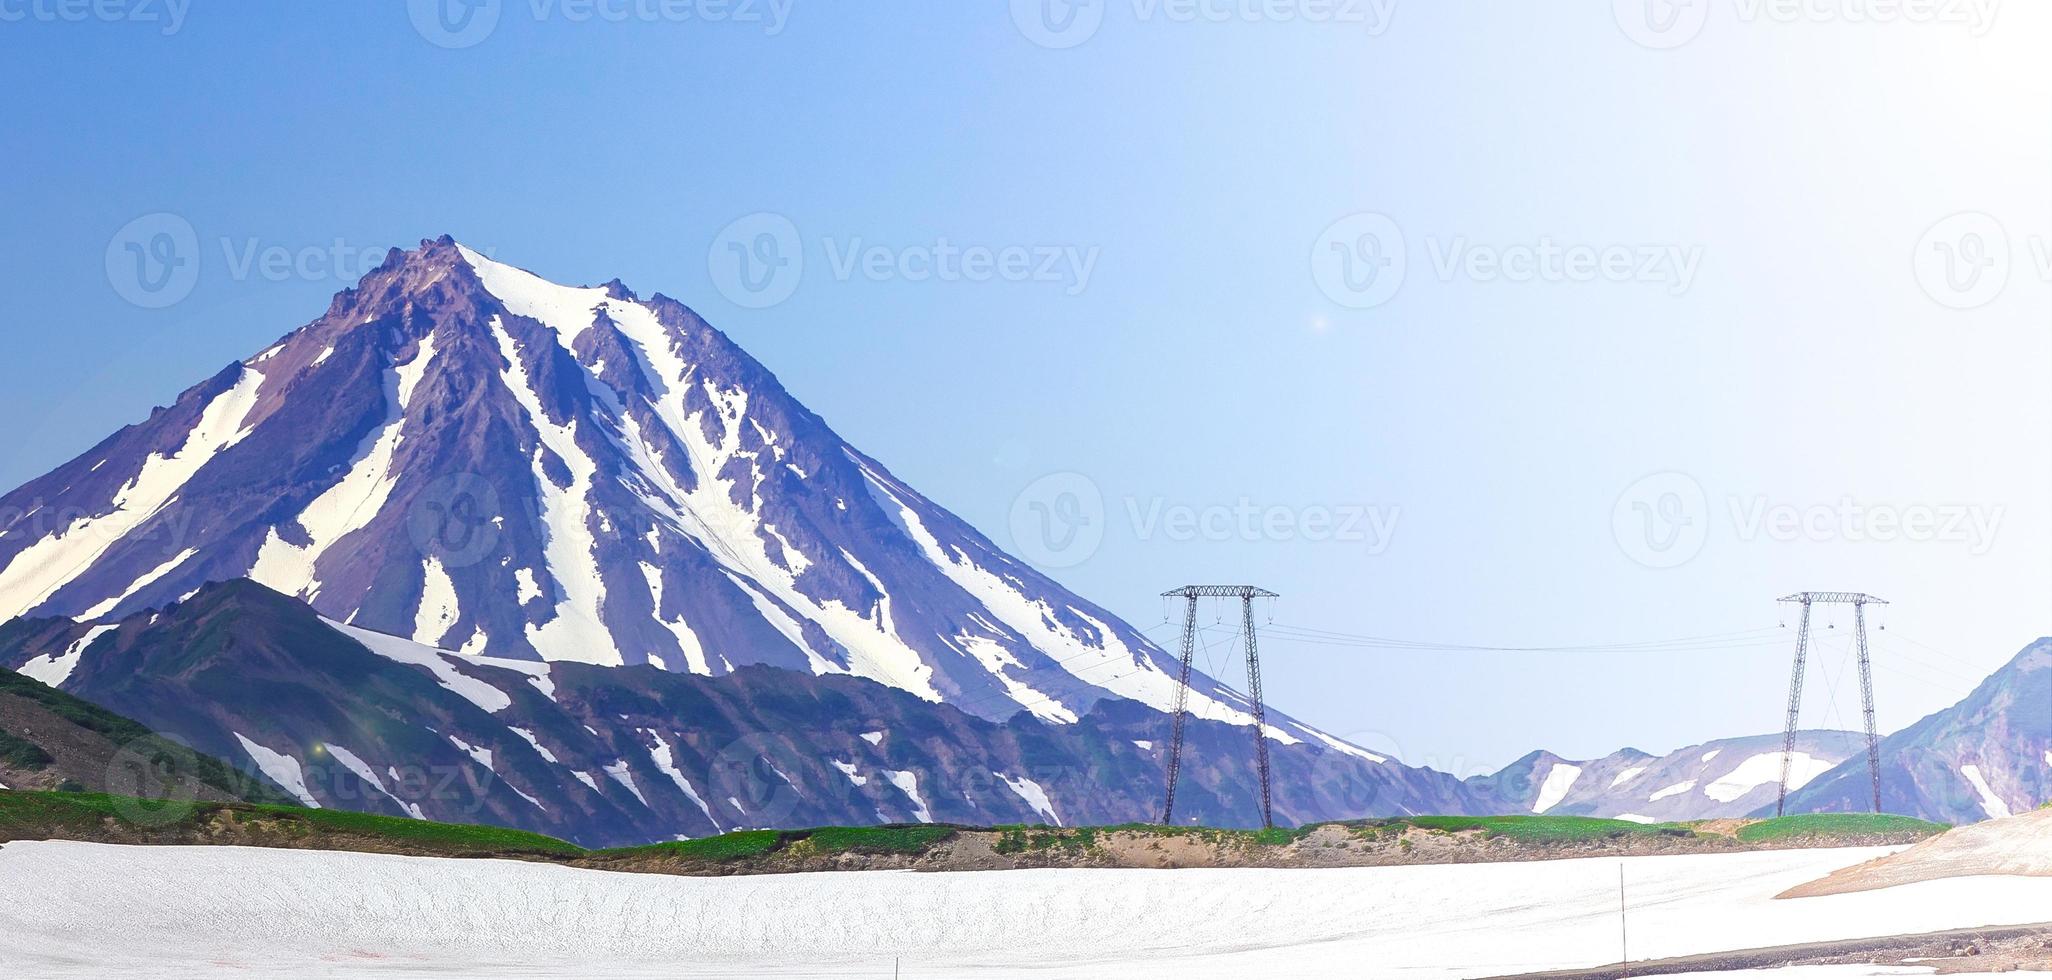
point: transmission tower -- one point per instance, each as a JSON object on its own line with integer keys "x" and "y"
{"x": 1246, "y": 594}
{"x": 1859, "y": 601}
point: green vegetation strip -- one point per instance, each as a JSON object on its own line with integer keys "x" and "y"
{"x": 91, "y": 814}
{"x": 1835, "y": 825}
{"x": 23, "y": 754}
{"x": 99, "y": 816}
{"x": 96, "y": 816}
{"x": 1540, "y": 829}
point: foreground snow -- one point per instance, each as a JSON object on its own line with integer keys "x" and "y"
{"x": 92, "y": 910}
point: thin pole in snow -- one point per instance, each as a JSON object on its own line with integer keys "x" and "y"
{"x": 1624, "y": 939}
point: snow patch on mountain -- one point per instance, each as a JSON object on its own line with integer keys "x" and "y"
{"x": 665, "y": 762}
{"x": 1033, "y": 794}
{"x": 406, "y": 651}
{"x": 540, "y": 749}
{"x": 1675, "y": 790}
{"x": 1991, "y": 804}
{"x": 576, "y": 632}
{"x": 1763, "y": 769}
{"x": 40, "y": 570}
{"x": 281, "y": 769}
{"x": 139, "y": 584}
{"x": 353, "y": 501}
{"x": 364, "y": 772}
{"x": 439, "y": 607}
{"x": 1559, "y": 780}
{"x": 908, "y": 783}
{"x": 54, "y": 670}
{"x": 622, "y": 775}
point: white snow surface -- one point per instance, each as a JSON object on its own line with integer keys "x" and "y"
{"x": 183, "y": 911}
{"x": 1559, "y": 780}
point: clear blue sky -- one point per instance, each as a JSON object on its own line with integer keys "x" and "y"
{"x": 1214, "y": 352}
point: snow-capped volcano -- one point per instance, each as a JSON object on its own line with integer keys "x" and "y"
{"x": 465, "y": 454}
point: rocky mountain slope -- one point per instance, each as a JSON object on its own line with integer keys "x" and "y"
{"x": 469, "y": 456}
{"x": 1987, "y": 756}
{"x": 342, "y": 717}
{"x": 50, "y": 740}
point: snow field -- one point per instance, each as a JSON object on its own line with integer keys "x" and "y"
{"x": 271, "y": 912}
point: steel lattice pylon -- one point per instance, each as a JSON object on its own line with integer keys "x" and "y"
{"x": 1859, "y": 601}
{"x": 1190, "y": 594}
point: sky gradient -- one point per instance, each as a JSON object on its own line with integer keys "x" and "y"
{"x": 1116, "y": 269}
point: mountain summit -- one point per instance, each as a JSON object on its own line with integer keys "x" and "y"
{"x": 472, "y": 523}
{"x": 466, "y": 455}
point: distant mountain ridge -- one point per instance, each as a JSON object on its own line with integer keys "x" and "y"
{"x": 1990, "y": 755}
{"x": 50, "y": 740}
{"x": 1730, "y": 777}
